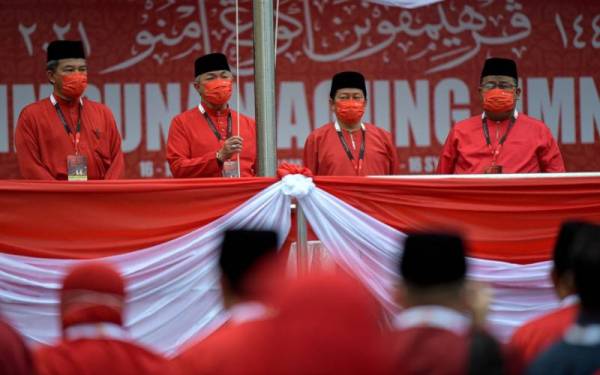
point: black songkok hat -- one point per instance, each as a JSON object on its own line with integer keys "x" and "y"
{"x": 497, "y": 66}
{"x": 563, "y": 248}
{"x": 433, "y": 259}
{"x": 210, "y": 63}
{"x": 347, "y": 80}
{"x": 241, "y": 250}
{"x": 65, "y": 49}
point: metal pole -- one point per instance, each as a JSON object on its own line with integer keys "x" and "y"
{"x": 264, "y": 87}
{"x": 301, "y": 241}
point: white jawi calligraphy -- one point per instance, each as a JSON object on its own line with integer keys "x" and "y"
{"x": 60, "y": 32}
{"x": 456, "y": 36}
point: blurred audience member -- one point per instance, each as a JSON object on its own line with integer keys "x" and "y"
{"x": 578, "y": 352}
{"x": 538, "y": 334}
{"x": 94, "y": 340}
{"x": 15, "y": 358}
{"x": 325, "y": 324}
{"x": 328, "y": 324}
{"x": 244, "y": 254}
{"x": 438, "y": 332}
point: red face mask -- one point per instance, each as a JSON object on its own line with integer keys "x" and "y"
{"x": 498, "y": 101}
{"x": 217, "y": 91}
{"x": 74, "y": 84}
{"x": 349, "y": 111}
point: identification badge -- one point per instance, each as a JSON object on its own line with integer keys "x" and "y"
{"x": 77, "y": 167}
{"x": 230, "y": 168}
{"x": 493, "y": 169}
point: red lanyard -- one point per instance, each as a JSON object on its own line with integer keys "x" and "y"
{"x": 74, "y": 137}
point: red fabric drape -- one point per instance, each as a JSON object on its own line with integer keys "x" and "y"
{"x": 101, "y": 218}
{"x": 514, "y": 220}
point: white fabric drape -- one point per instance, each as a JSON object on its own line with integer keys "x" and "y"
{"x": 370, "y": 249}
{"x": 358, "y": 242}
{"x": 173, "y": 291}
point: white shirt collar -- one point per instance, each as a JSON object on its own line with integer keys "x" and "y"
{"x": 338, "y": 128}
{"x": 570, "y": 300}
{"x": 202, "y": 110}
{"x": 435, "y": 317}
{"x": 53, "y": 100}
{"x": 248, "y": 311}
{"x": 588, "y": 335}
{"x": 515, "y": 114}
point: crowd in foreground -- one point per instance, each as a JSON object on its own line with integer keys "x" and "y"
{"x": 329, "y": 323}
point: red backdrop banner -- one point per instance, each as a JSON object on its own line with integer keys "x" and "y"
{"x": 422, "y": 67}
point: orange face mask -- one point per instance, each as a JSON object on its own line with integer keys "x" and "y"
{"x": 349, "y": 111}
{"x": 74, "y": 84}
{"x": 217, "y": 91}
{"x": 498, "y": 101}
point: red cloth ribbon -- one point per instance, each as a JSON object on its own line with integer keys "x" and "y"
{"x": 286, "y": 168}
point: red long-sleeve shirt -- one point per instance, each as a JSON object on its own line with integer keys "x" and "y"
{"x": 324, "y": 153}
{"x": 192, "y": 146}
{"x": 96, "y": 357}
{"x": 15, "y": 358}
{"x": 535, "y": 336}
{"x": 43, "y": 144}
{"x": 529, "y": 147}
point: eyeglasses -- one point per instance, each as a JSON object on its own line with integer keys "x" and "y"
{"x": 349, "y": 97}
{"x": 501, "y": 85}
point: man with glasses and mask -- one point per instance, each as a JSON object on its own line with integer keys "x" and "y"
{"x": 501, "y": 140}
{"x": 204, "y": 141}
{"x": 348, "y": 147}
{"x": 68, "y": 136}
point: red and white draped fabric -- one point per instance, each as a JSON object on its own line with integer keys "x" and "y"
{"x": 164, "y": 237}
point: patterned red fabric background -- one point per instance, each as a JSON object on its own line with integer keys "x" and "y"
{"x": 422, "y": 65}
